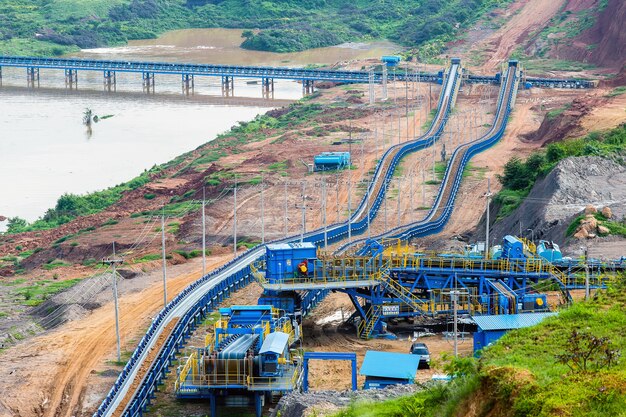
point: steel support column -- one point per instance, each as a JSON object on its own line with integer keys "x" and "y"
{"x": 32, "y": 76}
{"x": 110, "y": 80}
{"x": 228, "y": 86}
{"x": 71, "y": 78}
{"x": 267, "y": 87}
{"x": 188, "y": 83}
{"x": 148, "y": 82}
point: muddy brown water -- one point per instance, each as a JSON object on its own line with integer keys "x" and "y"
{"x": 45, "y": 150}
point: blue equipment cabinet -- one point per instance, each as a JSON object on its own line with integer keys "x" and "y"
{"x": 283, "y": 258}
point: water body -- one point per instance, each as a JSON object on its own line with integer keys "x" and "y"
{"x": 45, "y": 150}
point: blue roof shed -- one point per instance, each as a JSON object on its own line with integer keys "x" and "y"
{"x": 388, "y": 368}
{"x": 492, "y": 328}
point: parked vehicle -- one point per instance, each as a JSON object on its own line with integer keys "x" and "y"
{"x": 422, "y": 350}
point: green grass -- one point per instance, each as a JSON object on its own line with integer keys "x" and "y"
{"x": 174, "y": 228}
{"x": 149, "y": 257}
{"x": 555, "y": 389}
{"x": 36, "y": 294}
{"x": 617, "y": 91}
{"x": 553, "y": 114}
{"x": 56, "y": 263}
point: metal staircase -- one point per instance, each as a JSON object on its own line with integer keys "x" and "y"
{"x": 366, "y": 327}
{"x": 395, "y": 288}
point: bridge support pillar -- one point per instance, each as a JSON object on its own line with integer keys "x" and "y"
{"x": 308, "y": 87}
{"x": 267, "y": 88}
{"x": 110, "y": 80}
{"x": 0, "y": 76}
{"x": 32, "y": 76}
{"x": 228, "y": 86}
{"x": 188, "y": 83}
{"x": 148, "y": 82}
{"x": 71, "y": 78}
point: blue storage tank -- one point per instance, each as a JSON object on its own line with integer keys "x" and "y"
{"x": 283, "y": 258}
{"x": 512, "y": 248}
{"x": 391, "y": 60}
{"x": 327, "y": 161}
{"x": 549, "y": 251}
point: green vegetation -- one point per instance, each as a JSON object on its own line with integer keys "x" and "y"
{"x": 53, "y": 264}
{"x": 192, "y": 254}
{"x": 37, "y": 293}
{"x": 70, "y": 206}
{"x": 617, "y": 91}
{"x": 149, "y": 257}
{"x": 615, "y": 227}
{"x": 519, "y": 176}
{"x": 54, "y": 27}
{"x": 553, "y": 114}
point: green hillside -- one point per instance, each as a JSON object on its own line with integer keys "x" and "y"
{"x": 53, "y": 27}
{"x": 569, "y": 365}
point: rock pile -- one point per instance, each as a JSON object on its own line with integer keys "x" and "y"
{"x": 590, "y": 227}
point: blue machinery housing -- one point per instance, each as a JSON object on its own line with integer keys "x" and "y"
{"x": 237, "y": 272}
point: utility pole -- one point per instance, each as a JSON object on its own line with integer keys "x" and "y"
{"x": 454, "y": 295}
{"x": 406, "y": 98}
{"x": 337, "y": 196}
{"x": 412, "y": 197}
{"x": 164, "y": 260}
{"x": 423, "y": 187}
{"x": 324, "y": 212}
{"x": 262, "y": 209}
{"x": 203, "y": 232}
{"x": 285, "y": 193}
{"x": 369, "y": 185}
{"x": 587, "y": 291}
{"x": 349, "y": 209}
{"x": 303, "y": 230}
{"x": 113, "y": 262}
{"x": 399, "y": 194}
{"x": 488, "y": 195}
{"x": 235, "y": 219}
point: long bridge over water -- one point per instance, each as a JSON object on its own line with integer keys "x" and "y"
{"x": 267, "y": 75}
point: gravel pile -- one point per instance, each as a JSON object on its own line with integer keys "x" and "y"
{"x": 298, "y": 404}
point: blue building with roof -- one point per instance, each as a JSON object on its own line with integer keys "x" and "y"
{"x": 382, "y": 369}
{"x": 493, "y": 327}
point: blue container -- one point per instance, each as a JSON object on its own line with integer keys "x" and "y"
{"x": 283, "y": 258}
{"x": 549, "y": 251}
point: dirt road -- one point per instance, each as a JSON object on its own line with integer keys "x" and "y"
{"x": 47, "y": 375}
